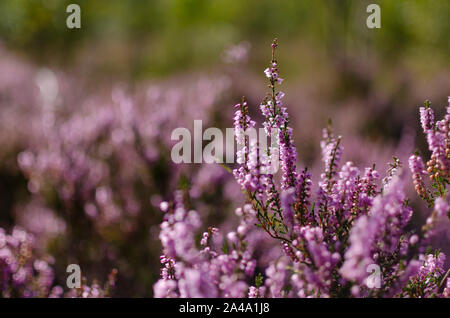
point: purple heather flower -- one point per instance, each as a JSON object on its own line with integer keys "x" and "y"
{"x": 442, "y": 207}
{"x": 276, "y": 275}
{"x": 21, "y": 273}
{"x": 437, "y": 135}
{"x": 418, "y": 171}
{"x": 425, "y": 283}
{"x": 164, "y": 206}
{"x": 206, "y": 236}
{"x": 378, "y": 232}
{"x": 165, "y": 288}
{"x": 446, "y": 292}
{"x": 427, "y": 118}
{"x": 287, "y": 199}
{"x": 256, "y": 292}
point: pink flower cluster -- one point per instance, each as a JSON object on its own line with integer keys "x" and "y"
{"x": 335, "y": 240}
{"x": 192, "y": 272}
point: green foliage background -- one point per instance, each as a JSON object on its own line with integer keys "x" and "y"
{"x": 160, "y": 37}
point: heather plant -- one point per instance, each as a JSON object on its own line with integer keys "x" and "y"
{"x": 22, "y": 273}
{"x": 96, "y": 175}
{"x": 348, "y": 236}
{"x": 97, "y": 167}
{"x": 26, "y": 273}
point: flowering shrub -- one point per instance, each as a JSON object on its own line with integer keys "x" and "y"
{"x": 23, "y": 274}
{"x": 97, "y": 175}
{"x": 97, "y": 169}
{"x": 347, "y": 237}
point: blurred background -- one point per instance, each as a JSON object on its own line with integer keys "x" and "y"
{"x": 86, "y": 114}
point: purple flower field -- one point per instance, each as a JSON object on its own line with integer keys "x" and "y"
{"x": 92, "y": 183}
{"x": 224, "y": 149}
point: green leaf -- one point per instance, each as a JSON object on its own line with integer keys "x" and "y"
{"x": 259, "y": 280}
{"x": 225, "y": 247}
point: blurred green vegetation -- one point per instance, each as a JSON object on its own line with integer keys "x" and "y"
{"x": 159, "y": 37}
